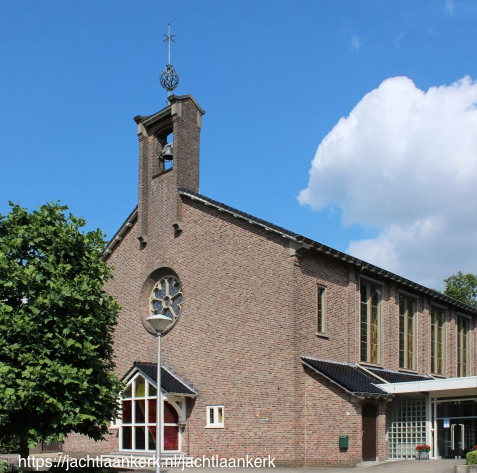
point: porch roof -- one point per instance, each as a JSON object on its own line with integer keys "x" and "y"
{"x": 346, "y": 375}
{"x": 170, "y": 382}
{"x": 359, "y": 380}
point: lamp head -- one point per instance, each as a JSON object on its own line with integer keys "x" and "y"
{"x": 159, "y": 322}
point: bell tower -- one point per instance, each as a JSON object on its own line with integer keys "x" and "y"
{"x": 168, "y": 158}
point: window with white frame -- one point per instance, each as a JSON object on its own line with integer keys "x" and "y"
{"x": 138, "y": 422}
{"x": 215, "y": 416}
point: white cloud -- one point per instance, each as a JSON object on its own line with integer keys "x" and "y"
{"x": 405, "y": 162}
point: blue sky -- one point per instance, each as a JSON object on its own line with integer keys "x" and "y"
{"x": 275, "y": 78}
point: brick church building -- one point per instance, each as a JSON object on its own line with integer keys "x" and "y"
{"x": 281, "y": 346}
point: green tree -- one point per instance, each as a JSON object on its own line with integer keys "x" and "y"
{"x": 462, "y": 287}
{"x": 56, "y": 326}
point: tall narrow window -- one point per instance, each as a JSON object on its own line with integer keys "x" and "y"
{"x": 370, "y": 321}
{"x": 321, "y": 309}
{"x": 438, "y": 318}
{"x": 407, "y": 337}
{"x": 463, "y": 327}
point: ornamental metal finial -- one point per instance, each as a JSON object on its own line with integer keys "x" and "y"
{"x": 169, "y": 78}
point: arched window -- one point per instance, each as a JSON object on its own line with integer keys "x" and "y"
{"x": 138, "y": 424}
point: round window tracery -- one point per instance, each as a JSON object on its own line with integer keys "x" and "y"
{"x": 166, "y": 298}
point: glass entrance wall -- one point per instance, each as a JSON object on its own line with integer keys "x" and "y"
{"x": 455, "y": 426}
{"x": 407, "y": 426}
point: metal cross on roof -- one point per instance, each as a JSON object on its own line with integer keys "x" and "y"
{"x": 169, "y": 78}
{"x": 169, "y": 39}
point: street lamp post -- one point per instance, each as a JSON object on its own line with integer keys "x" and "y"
{"x": 159, "y": 323}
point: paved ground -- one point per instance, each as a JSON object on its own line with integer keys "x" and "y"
{"x": 398, "y": 466}
{"x": 393, "y": 466}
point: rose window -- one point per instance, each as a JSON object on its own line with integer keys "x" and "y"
{"x": 166, "y": 298}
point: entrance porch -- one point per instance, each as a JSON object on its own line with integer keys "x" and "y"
{"x": 137, "y": 426}
{"x": 444, "y": 417}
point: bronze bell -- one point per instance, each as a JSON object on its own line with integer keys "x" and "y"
{"x": 167, "y": 153}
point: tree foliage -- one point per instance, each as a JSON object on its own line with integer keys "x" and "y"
{"x": 56, "y": 325}
{"x": 462, "y": 287}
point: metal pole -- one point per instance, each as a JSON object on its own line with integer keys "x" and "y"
{"x": 158, "y": 406}
{"x": 170, "y": 38}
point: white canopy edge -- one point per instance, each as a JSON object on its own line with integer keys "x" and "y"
{"x": 445, "y": 384}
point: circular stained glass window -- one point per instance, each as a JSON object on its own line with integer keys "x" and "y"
{"x": 166, "y": 299}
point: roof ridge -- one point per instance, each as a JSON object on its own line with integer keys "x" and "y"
{"x": 349, "y": 363}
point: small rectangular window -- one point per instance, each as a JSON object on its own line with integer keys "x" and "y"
{"x": 215, "y": 416}
{"x": 321, "y": 309}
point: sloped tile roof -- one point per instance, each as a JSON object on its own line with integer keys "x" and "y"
{"x": 170, "y": 382}
{"x": 347, "y": 375}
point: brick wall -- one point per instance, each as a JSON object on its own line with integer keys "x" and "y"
{"x": 338, "y": 341}
{"x": 330, "y": 412}
{"x": 75, "y": 443}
